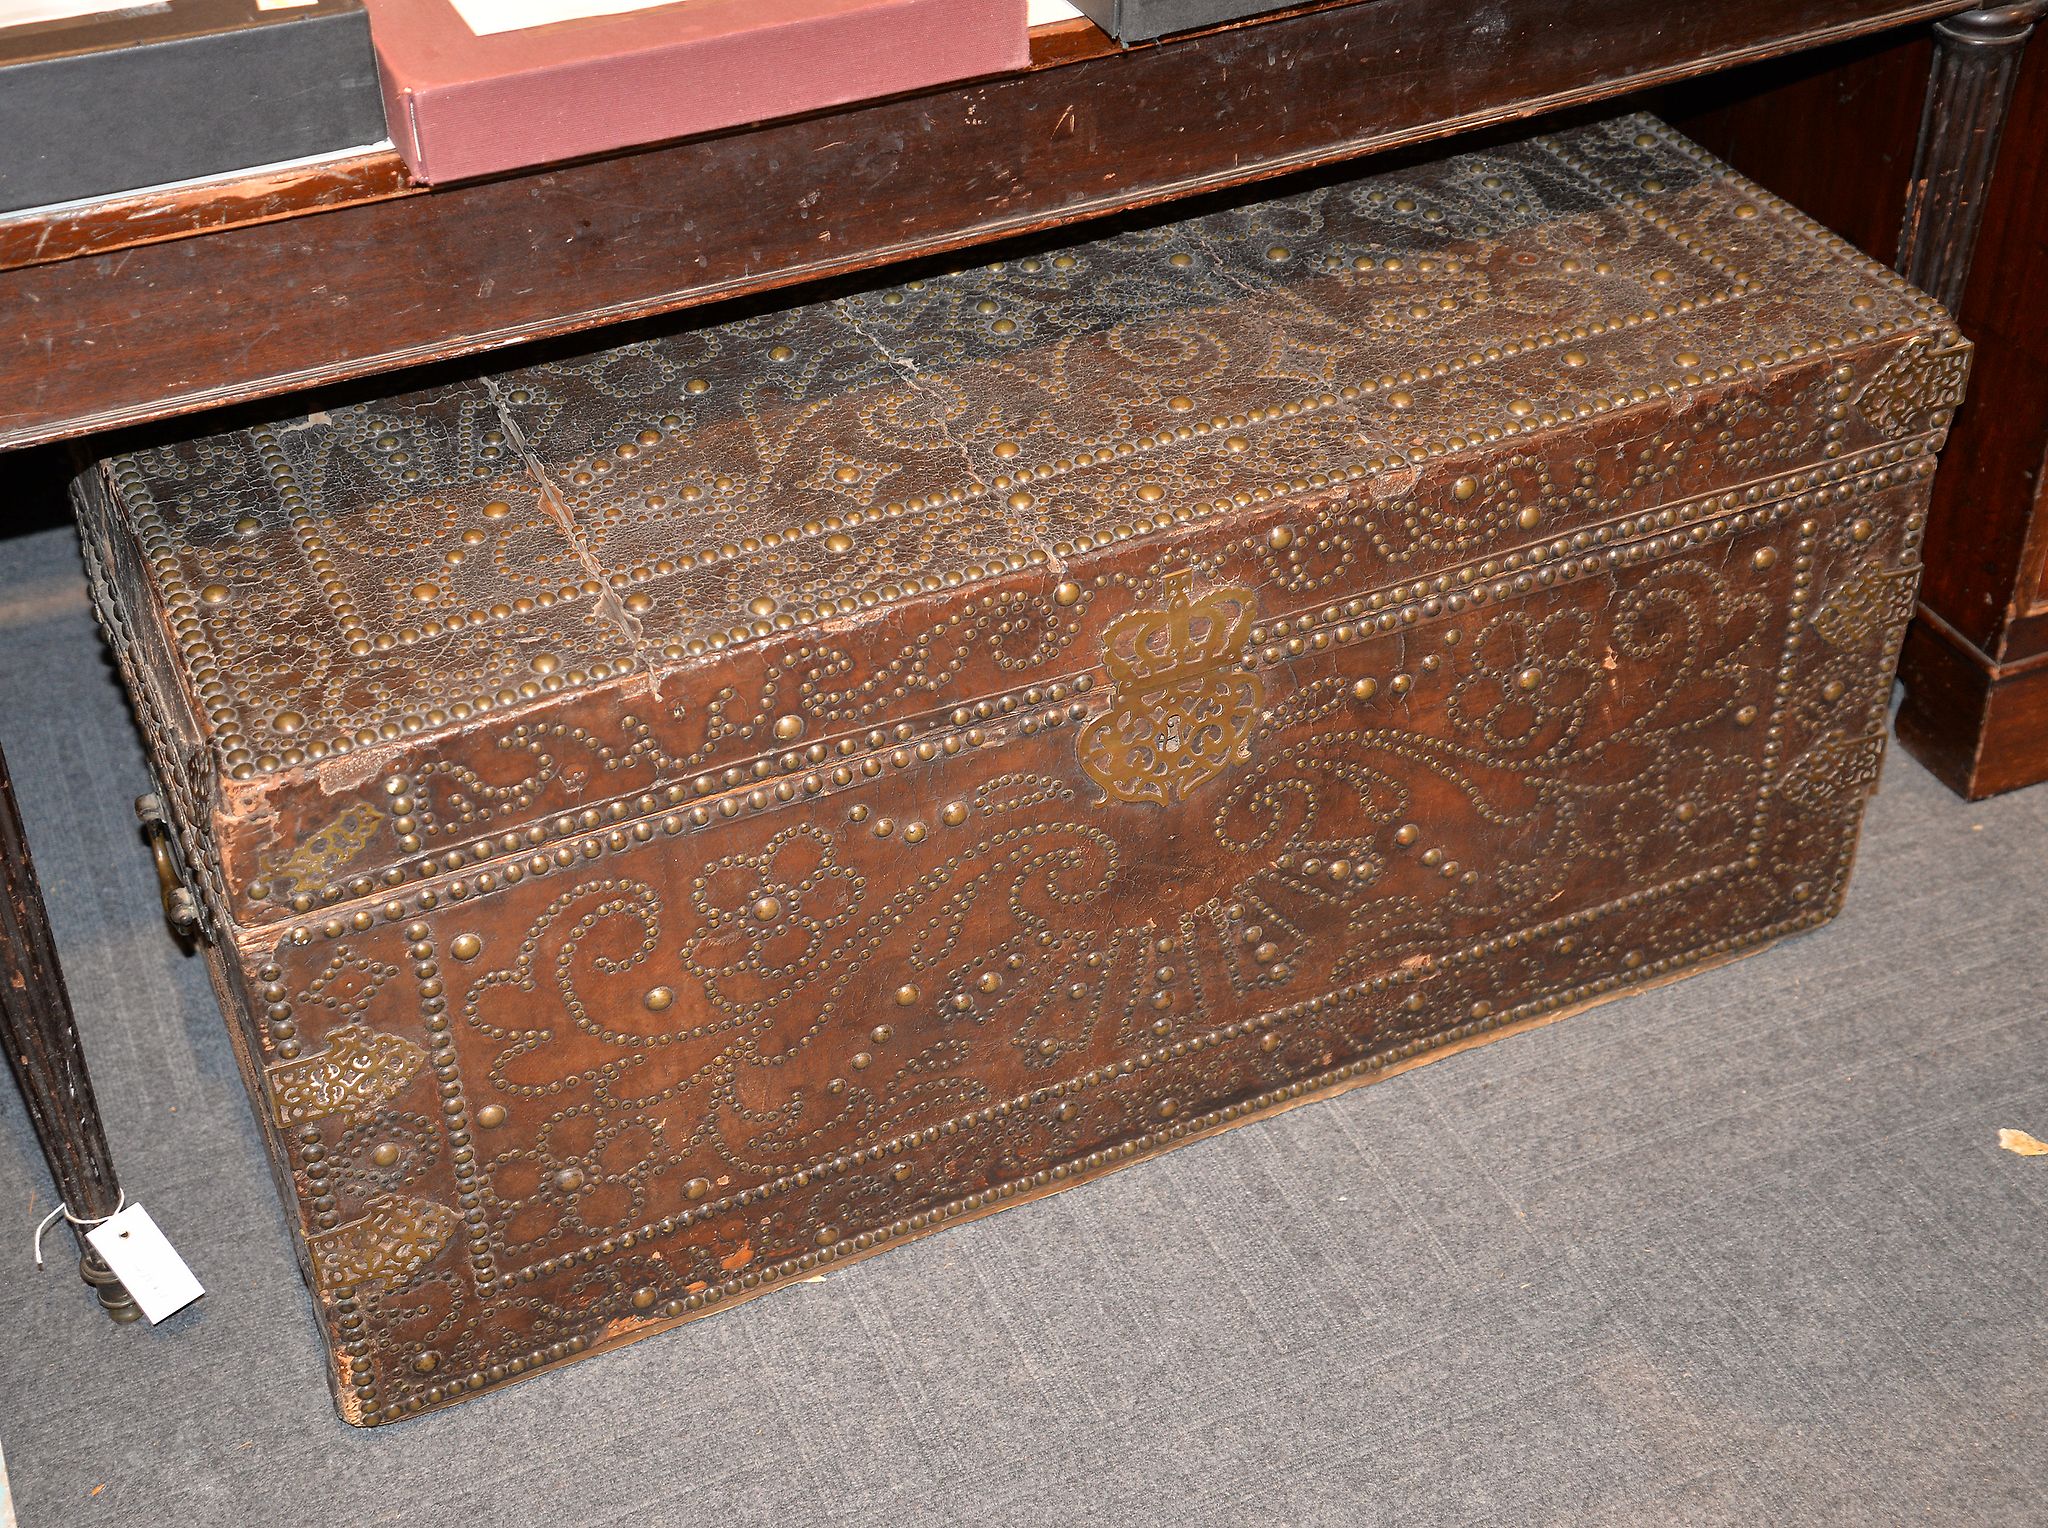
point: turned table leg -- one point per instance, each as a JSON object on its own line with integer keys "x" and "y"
{"x": 1976, "y": 57}
{"x": 42, "y": 1047}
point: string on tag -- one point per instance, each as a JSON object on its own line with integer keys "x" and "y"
{"x": 83, "y": 1221}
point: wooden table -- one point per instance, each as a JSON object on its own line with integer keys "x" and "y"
{"x": 144, "y": 307}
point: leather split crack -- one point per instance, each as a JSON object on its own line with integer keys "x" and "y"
{"x": 607, "y": 600}
{"x": 908, "y": 371}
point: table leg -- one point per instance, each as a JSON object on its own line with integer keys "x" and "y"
{"x": 1976, "y": 57}
{"x": 42, "y": 1047}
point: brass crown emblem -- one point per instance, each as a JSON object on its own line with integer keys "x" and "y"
{"x": 1183, "y": 708}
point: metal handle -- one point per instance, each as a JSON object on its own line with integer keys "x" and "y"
{"x": 181, "y": 908}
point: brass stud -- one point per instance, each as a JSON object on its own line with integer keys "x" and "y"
{"x": 1745, "y": 716}
{"x": 767, "y": 909}
{"x": 497, "y": 509}
{"x": 1020, "y": 500}
{"x": 465, "y": 947}
{"x": 288, "y": 722}
{"x": 639, "y": 601}
{"x": 385, "y": 1154}
{"x": 789, "y": 728}
{"x": 490, "y": 1116}
{"x": 697, "y": 1188}
{"x": 1280, "y": 538}
{"x": 1687, "y": 359}
{"x": 1861, "y": 529}
{"x": 1401, "y": 398}
{"x": 1278, "y": 252}
{"x": 827, "y": 1235}
{"x": 214, "y": 594}
{"x": 1180, "y": 403}
{"x": 1529, "y": 678}
{"x": 780, "y": 353}
{"x": 1007, "y": 449}
{"x": 247, "y": 525}
{"x": 1067, "y": 593}
{"x": 426, "y": 593}
{"x": 1365, "y": 689}
{"x": 1464, "y": 487}
{"x": 913, "y": 833}
{"x": 546, "y": 663}
{"x": 1521, "y": 408}
{"x": 1575, "y": 358}
{"x": 1764, "y": 557}
{"x": 838, "y": 541}
{"x": 642, "y": 1297}
{"x": 1745, "y": 210}
{"x": 696, "y": 385}
{"x": 954, "y": 814}
{"x": 907, "y": 994}
{"x": 569, "y": 1179}
{"x": 658, "y": 998}
{"x": 761, "y": 605}
{"x": 1529, "y": 517}
{"x": 1237, "y": 443}
{"x": 1151, "y": 493}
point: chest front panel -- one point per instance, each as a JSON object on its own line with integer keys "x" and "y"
{"x": 657, "y": 1067}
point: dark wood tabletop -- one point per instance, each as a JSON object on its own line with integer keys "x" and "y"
{"x": 154, "y": 304}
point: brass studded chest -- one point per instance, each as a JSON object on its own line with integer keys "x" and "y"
{"x": 670, "y": 819}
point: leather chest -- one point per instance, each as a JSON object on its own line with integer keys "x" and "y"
{"x": 670, "y": 819}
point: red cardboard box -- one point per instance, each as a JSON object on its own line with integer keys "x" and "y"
{"x": 463, "y": 105}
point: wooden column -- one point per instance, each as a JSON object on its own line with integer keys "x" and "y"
{"x": 1976, "y": 58}
{"x": 43, "y": 1049}
{"x": 1975, "y": 663}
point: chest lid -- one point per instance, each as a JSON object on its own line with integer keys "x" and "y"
{"x": 390, "y": 639}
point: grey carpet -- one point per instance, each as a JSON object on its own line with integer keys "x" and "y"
{"x": 1744, "y": 1249}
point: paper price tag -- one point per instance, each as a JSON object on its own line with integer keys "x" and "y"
{"x": 144, "y": 1260}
